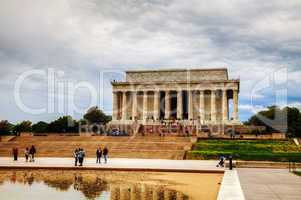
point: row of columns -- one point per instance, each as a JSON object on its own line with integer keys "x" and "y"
{"x": 144, "y": 193}
{"x": 179, "y": 105}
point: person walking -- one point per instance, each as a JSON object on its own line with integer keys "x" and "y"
{"x": 81, "y": 155}
{"x": 98, "y": 155}
{"x": 105, "y": 154}
{"x": 75, "y": 155}
{"x": 32, "y": 152}
{"x": 221, "y": 161}
{"x": 26, "y": 153}
{"x": 15, "y": 153}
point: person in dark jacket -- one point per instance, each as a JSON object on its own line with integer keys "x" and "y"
{"x": 32, "y": 152}
{"x": 26, "y": 153}
{"x": 15, "y": 153}
{"x": 81, "y": 156}
{"x": 98, "y": 155}
{"x": 75, "y": 155}
{"x": 105, "y": 153}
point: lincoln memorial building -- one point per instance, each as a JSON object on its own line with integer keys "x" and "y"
{"x": 198, "y": 95}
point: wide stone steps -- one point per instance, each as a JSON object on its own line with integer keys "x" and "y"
{"x": 103, "y": 138}
{"x": 122, "y": 147}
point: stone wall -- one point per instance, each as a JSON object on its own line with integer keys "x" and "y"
{"x": 177, "y": 75}
{"x": 272, "y": 136}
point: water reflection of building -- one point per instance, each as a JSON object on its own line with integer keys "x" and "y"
{"x": 144, "y": 192}
{"x": 90, "y": 189}
{"x": 94, "y": 185}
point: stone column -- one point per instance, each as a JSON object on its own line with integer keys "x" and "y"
{"x": 179, "y": 105}
{"x": 167, "y": 105}
{"x": 123, "y": 193}
{"x": 166, "y": 194}
{"x": 235, "y": 105}
{"x": 115, "y": 194}
{"x": 190, "y": 105}
{"x": 124, "y": 106}
{"x": 156, "y": 105}
{"x": 225, "y": 106}
{"x": 202, "y": 105}
{"x": 133, "y": 192}
{"x": 134, "y": 107}
{"x": 180, "y": 196}
{"x": 213, "y": 105}
{"x": 145, "y": 112}
{"x": 144, "y": 192}
{"x": 155, "y": 194}
{"x": 115, "y": 105}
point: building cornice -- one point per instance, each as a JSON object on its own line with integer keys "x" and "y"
{"x": 177, "y": 70}
{"x": 173, "y": 82}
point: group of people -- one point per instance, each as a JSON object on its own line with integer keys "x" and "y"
{"x": 29, "y": 153}
{"x": 79, "y": 155}
{"x": 102, "y": 152}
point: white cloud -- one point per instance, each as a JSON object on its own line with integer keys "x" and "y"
{"x": 251, "y": 108}
{"x": 295, "y": 104}
{"x": 251, "y": 38}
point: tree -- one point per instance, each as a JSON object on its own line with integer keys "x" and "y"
{"x": 288, "y": 116}
{"x": 40, "y": 127}
{"x": 95, "y": 115}
{"x": 5, "y": 127}
{"x": 63, "y": 124}
{"x": 293, "y": 121}
{"x": 24, "y": 126}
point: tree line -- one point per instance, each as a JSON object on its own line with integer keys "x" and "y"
{"x": 288, "y": 118}
{"x": 275, "y": 118}
{"x": 64, "y": 124}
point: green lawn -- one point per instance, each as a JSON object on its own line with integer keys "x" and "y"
{"x": 298, "y": 173}
{"x": 267, "y": 150}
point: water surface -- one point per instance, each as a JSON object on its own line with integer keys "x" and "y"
{"x": 105, "y": 185}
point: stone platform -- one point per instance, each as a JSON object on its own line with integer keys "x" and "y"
{"x": 150, "y": 147}
{"x": 124, "y": 164}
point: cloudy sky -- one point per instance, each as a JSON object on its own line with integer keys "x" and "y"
{"x": 92, "y": 42}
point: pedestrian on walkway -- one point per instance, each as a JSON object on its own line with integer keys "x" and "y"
{"x": 75, "y": 155}
{"x": 81, "y": 156}
{"x": 105, "y": 153}
{"x": 15, "y": 153}
{"x": 221, "y": 161}
{"x": 98, "y": 155}
{"x": 32, "y": 152}
{"x": 26, "y": 153}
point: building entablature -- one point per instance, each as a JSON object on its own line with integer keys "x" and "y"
{"x": 165, "y": 86}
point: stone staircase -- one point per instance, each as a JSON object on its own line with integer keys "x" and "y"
{"x": 119, "y": 147}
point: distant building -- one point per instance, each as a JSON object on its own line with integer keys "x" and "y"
{"x": 183, "y": 94}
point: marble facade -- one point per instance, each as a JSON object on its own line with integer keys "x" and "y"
{"x": 181, "y": 94}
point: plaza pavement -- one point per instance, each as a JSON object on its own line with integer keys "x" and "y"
{"x": 117, "y": 164}
{"x": 269, "y": 184}
{"x": 230, "y": 186}
{"x": 237, "y": 184}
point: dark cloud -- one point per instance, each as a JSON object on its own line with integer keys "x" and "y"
{"x": 81, "y": 38}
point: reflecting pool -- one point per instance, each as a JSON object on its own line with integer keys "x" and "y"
{"x": 106, "y": 185}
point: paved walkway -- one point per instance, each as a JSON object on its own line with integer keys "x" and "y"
{"x": 271, "y": 184}
{"x": 230, "y": 187}
{"x": 119, "y": 163}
